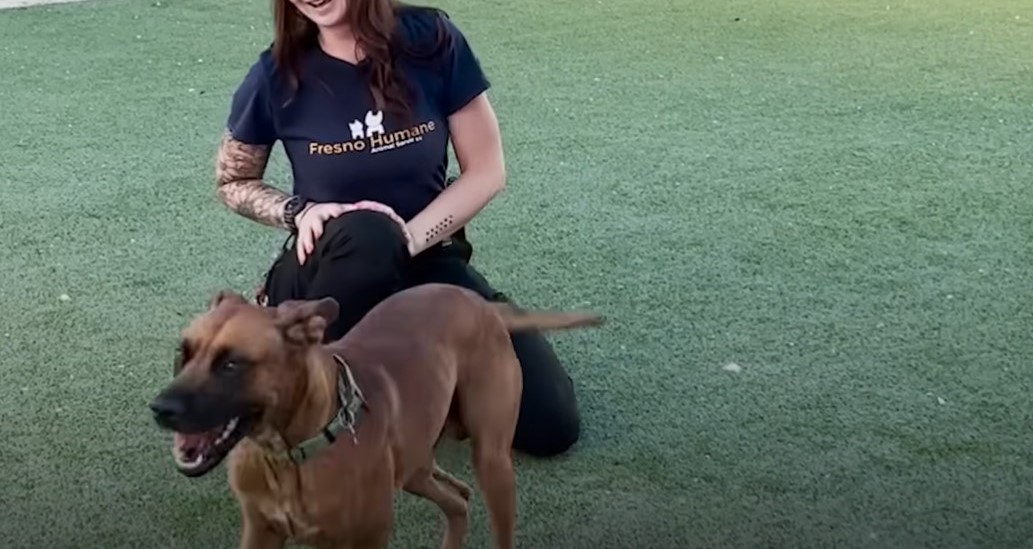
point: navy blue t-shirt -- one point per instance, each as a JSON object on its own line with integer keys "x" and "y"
{"x": 340, "y": 146}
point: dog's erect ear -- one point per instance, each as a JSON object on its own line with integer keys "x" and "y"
{"x": 225, "y": 295}
{"x": 305, "y": 321}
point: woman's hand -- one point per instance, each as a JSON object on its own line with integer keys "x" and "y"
{"x": 386, "y": 210}
{"x": 310, "y": 223}
{"x": 313, "y": 218}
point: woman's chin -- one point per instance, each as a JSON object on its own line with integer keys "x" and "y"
{"x": 325, "y": 14}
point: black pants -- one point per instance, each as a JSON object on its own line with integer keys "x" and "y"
{"x": 361, "y": 259}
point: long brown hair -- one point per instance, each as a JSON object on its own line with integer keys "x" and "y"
{"x": 373, "y": 24}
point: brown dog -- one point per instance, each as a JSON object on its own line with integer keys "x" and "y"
{"x": 321, "y": 436}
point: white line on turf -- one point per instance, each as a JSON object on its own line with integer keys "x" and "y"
{"x": 9, "y": 4}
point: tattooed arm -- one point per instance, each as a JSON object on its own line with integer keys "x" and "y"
{"x": 239, "y": 169}
{"x": 478, "y": 148}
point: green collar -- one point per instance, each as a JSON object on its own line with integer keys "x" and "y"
{"x": 351, "y": 403}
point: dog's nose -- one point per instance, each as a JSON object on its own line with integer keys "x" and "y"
{"x": 168, "y": 410}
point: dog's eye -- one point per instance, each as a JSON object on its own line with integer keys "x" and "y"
{"x": 228, "y": 364}
{"x": 182, "y": 356}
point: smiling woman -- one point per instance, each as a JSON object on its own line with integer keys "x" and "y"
{"x": 366, "y": 96}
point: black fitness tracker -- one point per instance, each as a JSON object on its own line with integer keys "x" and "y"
{"x": 294, "y": 206}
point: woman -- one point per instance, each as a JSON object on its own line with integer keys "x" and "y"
{"x": 365, "y": 96}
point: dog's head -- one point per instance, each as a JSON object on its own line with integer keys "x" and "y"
{"x": 239, "y": 371}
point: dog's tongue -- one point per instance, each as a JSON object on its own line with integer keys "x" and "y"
{"x": 193, "y": 442}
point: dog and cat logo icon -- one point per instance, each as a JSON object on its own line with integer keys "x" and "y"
{"x": 368, "y": 134}
{"x": 374, "y": 125}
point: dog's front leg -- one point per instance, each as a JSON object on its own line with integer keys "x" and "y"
{"x": 257, "y": 533}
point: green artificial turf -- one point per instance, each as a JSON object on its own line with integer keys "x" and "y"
{"x": 832, "y": 195}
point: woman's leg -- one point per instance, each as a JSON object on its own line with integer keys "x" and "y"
{"x": 549, "y": 422}
{"x": 359, "y": 261}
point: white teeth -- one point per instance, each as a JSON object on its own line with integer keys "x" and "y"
{"x": 205, "y": 449}
{"x": 227, "y": 431}
{"x": 189, "y": 464}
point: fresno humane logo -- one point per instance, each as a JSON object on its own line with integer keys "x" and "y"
{"x": 368, "y": 134}
{"x": 374, "y": 125}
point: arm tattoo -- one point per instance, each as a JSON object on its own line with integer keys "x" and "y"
{"x": 440, "y": 228}
{"x": 239, "y": 169}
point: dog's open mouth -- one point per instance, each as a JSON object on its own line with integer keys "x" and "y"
{"x": 198, "y": 453}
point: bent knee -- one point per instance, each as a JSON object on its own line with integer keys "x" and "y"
{"x": 364, "y": 228}
{"x": 372, "y": 235}
{"x": 551, "y": 442}
{"x": 548, "y": 432}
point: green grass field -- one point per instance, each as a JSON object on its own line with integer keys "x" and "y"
{"x": 833, "y": 195}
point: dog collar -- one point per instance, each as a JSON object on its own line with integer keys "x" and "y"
{"x": 351, "y": 403}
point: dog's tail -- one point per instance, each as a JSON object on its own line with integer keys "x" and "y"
{"x": 518, "y": 321}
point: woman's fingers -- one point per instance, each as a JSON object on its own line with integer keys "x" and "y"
{"x": 317, "y": 231}
{"x": 301, "y": 246}
{"x": 307, "y": 236}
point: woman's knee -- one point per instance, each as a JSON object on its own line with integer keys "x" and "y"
{"x": 371, "y": 236}
{"x": 549, "y": 431}
{"x": 549, "y": 423}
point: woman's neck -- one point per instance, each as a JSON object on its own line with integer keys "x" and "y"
{"x": 340, "y": 42}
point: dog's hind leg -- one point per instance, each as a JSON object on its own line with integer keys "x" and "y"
{"x": 491, "y": 404}
{"x": 448, "y": 497}
{"x": 493, "y": 464}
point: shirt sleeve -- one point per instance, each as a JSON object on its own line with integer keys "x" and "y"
{"x": 465, "y": 79}
{"x": 251, "y": 118}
